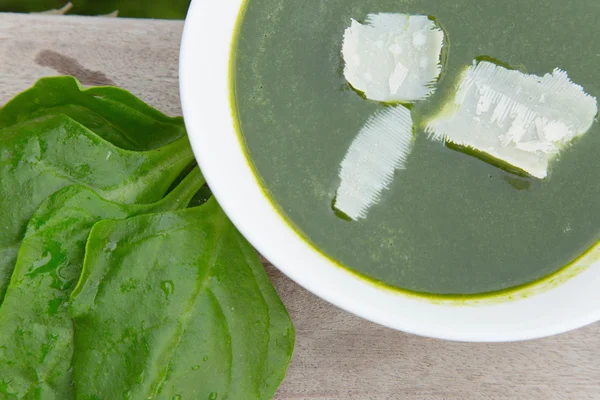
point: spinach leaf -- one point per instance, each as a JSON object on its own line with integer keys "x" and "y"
{"x": 168, "y": 9}
{"x": 177, "y": 306}
{"x": 41, "y": 156}
{"x": 112, "y": 113}
{"x": 203, "y": 195}
{"x": 36, "y": 332}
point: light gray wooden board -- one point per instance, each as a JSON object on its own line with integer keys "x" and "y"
{"x": 338, "y": 355}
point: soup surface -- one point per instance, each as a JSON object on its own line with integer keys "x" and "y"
{"x": 450, "y": 223}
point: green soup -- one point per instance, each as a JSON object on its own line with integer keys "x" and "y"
{"x": 450, "y": 223}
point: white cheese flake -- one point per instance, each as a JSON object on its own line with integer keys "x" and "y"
{"x": 393, "y": 57}
{"x": 381, "y": 147}
{"x": 524, "y": 120}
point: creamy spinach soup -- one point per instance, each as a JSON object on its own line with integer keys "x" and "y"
{"x": 451, "y": 222}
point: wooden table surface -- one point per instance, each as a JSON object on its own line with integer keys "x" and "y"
{"x": 338, "y": 355}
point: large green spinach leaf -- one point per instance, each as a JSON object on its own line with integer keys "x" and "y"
{"x": 41, "y": 156}
{"x": 177, "y": 306}
{"x": 36, "y": 332}
{"x": 110, "y": 112}
{"x": 168, "y": 9}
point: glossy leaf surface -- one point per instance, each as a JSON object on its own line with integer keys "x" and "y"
{"x": 39, "y": 157}
{"x": 112, "y": 113}
{"x": 177, "y": 306}
{"x": 36, "y": 332}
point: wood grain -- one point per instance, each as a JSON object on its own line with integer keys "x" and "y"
{"x": 338, "y": 355}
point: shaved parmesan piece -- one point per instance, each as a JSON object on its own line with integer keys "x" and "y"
{"x": 394, "y": 57}
{"x": 381, "y": 147}
{"x": 524, "y": 120}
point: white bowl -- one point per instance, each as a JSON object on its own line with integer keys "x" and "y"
{"x": 569, "y": 301}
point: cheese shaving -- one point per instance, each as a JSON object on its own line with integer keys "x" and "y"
{"x": 381, "y": 147}
{"x": 523, "y": 120}
{"x": 393, "y": 57}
